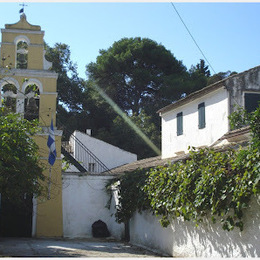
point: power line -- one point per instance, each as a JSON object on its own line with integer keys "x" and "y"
{"x": 192, "y": 37}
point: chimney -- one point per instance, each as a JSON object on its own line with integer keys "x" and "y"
{"x": 88, "y": 132}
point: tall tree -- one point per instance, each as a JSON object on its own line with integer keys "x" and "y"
{"x": 70, "y": 85}
{"x": 138, "y": 73}
{"x": 203, "y": 69}
{"x": 199, "y": 75}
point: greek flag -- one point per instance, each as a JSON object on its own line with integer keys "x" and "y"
{"x": 51, "y": 145}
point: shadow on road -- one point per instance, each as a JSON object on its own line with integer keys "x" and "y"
{"x": 33, "y": 247}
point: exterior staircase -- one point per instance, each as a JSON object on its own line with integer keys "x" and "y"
{"x": 86, "y": 161}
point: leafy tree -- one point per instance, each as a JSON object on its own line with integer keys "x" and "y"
{"x": 70, "y": 85}
{"x": 125, "y": 137}
{"x": 20, "y": 171}
{"x": 137, "y": 73}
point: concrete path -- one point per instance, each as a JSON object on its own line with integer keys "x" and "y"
{"x": 32, "y": 247}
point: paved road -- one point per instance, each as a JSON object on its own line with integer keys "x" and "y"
{"x": 70, "y": 248}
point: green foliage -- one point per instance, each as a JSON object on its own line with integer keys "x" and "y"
{"x": 219, "y": 184}
{"x": 208, "y": 183}
{"x": 69, "y": 85}
{"x": 20, "y": 171}
{"x": 220, "y": 76}
{"x": 131, "y": 195}
{"x": 137, "y": 73}
{"x": 123, "y": 136}
{"x": 241, "y": 118}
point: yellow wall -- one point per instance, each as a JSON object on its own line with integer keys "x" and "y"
{"x": 35, "y": 49}
{"x": 49, "y": 211}
{"x": 35, "y": 57}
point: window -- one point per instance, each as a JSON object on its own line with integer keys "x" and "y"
{"x": 251, "y": 101}
{"x": 91, "y": 167}
{"x": 179, "y": 123}
{"x": 201, "y": 112}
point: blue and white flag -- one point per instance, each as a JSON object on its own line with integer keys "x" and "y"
{"x": 51, "y": 145}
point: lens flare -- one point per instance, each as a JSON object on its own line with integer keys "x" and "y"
{"x": 127, "y": 119}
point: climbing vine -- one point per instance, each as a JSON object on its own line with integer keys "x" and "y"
{"x": 208, "y": 183}
{"x": 131, "y": 194}
{"x": 219, "y": 184}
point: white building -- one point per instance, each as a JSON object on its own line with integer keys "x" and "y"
{"x": 84, "y": 185}
{"x": 201, "y": 118}
{"x": 95, "y": 155}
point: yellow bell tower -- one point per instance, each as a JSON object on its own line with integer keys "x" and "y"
{"x": 31, "y": 88}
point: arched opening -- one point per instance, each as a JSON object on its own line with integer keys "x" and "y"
{"x": 8, "y": 97}
{"x": 21, "y": 55}
{"x": 32, "y": 102}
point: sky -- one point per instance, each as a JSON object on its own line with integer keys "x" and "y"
{"x": 227, "y": 33}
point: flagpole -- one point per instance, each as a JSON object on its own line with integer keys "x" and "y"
{"x": 52, "y": 154}
{"x": 49, "y": 187}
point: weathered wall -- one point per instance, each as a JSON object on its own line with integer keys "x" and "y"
{"x": 216, "y": 113}
{"x": 183, "y": 239}
{"x": 246, "y": 82}
{"x": 84, "y": 202}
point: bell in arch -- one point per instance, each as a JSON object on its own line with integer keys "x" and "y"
{"x": 22, "y": 60}
{"x": 32, "y": 110}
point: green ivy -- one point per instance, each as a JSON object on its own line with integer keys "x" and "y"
{"x": 131, "y": 195}
{"x": 216, "y": 184}
{"x": 208, "y": 183}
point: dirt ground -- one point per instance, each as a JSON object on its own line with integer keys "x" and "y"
{"x": 42, "y": 247}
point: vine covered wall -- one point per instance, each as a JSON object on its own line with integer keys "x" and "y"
{"x": 217, "y": 184}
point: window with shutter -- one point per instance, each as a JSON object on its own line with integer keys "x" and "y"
{"x": 179, "y": 123}
{"x": 201, "y": 112}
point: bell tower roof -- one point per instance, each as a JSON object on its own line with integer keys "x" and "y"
{"x": 23, "y": 25}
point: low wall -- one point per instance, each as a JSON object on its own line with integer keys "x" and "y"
{"x": 184, "y": 239}
{"x": 84, "y": 202}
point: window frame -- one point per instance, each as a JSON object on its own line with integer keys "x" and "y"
{"x": 201, "y": 115}
{"x": 249, "y": 93}
{"x": 179, "y": 124}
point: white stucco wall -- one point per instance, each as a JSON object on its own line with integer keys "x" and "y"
{"x": 84, "y": 202}
{"x": 183, "y": 239}
{"x": 216, "y": 113}
{"x": 108, "y": 154}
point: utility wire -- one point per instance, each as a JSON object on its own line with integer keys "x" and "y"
{"x": 193, "y": 38}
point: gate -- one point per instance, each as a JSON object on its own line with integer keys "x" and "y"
{"x": 16, "y": 219}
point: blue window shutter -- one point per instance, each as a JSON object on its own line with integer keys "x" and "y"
{"x": 179, "y": 123}
{"x": 202, "y": 118}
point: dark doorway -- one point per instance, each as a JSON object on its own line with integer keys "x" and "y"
{"x": 16, "y": 218}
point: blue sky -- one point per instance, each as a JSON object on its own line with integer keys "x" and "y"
{"x": 227, "y": 33}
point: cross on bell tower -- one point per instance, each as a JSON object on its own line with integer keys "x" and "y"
{"x": 22, "y": 10}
